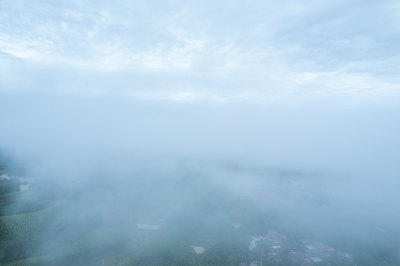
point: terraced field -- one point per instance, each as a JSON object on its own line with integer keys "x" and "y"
{"x": 35, "y": 231}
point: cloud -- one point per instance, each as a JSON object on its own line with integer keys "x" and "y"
{"x": 247, "y": 50}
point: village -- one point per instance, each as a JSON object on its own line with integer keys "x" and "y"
{"x": 10, "y": 184}
{"x": 276, "y": 248}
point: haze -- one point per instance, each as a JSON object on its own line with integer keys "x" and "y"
{"x": 181, "y": 119}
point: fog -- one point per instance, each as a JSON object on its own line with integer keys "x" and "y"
{"x": 324, "y": 170}
{"x": 245, "y": 133}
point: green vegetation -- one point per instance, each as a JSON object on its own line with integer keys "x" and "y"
{"x": 34, "y": 231}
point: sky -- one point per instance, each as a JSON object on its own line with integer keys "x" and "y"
{"x": 237, "y": 51}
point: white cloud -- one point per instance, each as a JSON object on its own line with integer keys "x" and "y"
{"x": 210, "y": 51}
